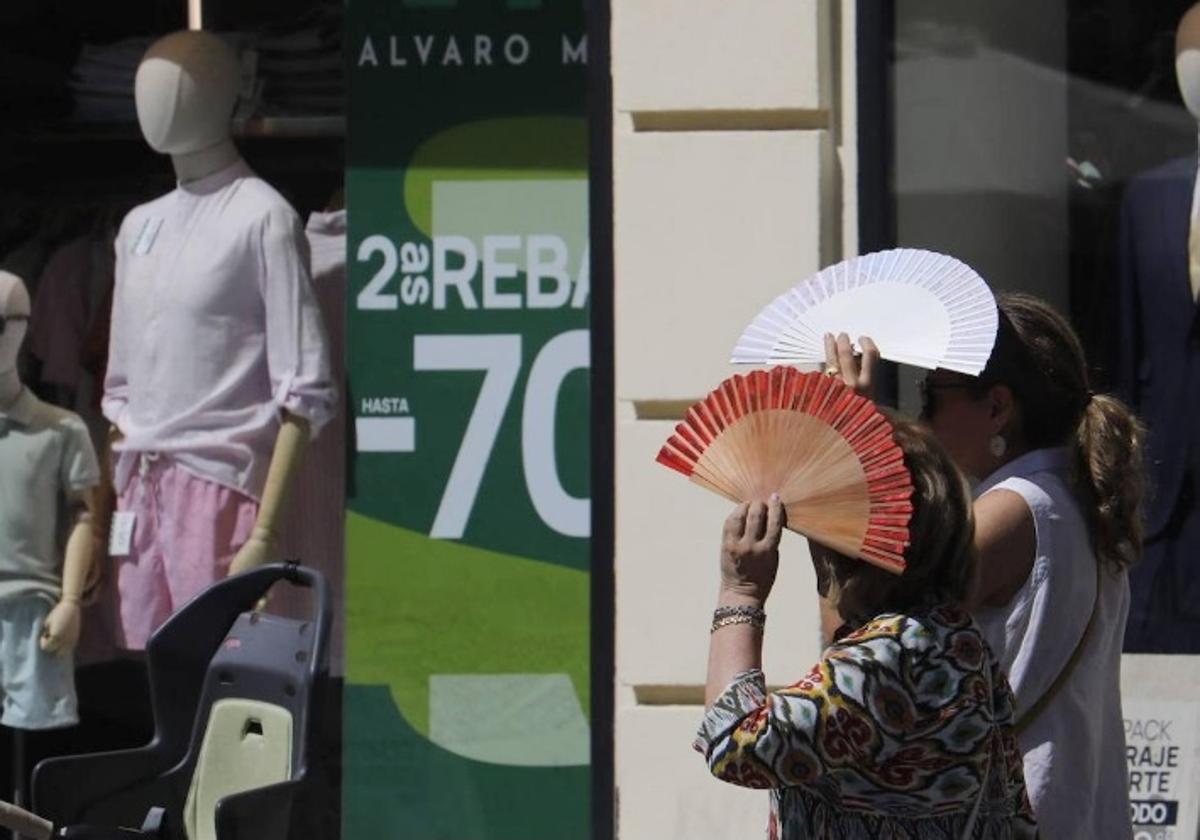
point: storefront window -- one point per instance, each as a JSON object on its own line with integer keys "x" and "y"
{"x": 1048, "y": 145}
{"x": 1017, "y": 129}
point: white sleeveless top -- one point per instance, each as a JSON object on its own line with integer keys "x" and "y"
{"x": 1075, "y": 749}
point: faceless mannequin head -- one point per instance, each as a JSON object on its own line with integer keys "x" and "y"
{"x": 1187, "y": 59}
{"x": 14, "y": 303}
{"x": 186, "y": 89}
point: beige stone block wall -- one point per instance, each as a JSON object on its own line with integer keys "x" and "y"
{"x": 730, "y": 182}
{"x": 666, "y": 789}
{"x": 667, "y": 547}
{"x": 710, "y": 227}
{"x": 715, "y": 54}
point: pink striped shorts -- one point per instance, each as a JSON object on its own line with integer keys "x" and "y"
{"x": 186, "y": 534}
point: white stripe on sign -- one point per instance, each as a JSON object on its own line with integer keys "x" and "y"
{"x": 522, "y": 720}
{"x": 386, "y": 434}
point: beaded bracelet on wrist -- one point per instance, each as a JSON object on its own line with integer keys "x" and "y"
{"x": 744, "y": 609}
{"x": 725, "y": 621}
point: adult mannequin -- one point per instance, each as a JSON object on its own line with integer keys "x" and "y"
{"x": 212, "y": 279}
{"x": 48, "y": 473}
{"x": 1187, "y": 59}
{"x": 1159, "y": 376}
{"x": 16, "y": 308}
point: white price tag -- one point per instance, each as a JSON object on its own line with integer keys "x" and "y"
{"x": 146, "y": 237}
{"x": 120, "y": 533}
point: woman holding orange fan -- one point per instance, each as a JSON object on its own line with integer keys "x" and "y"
{"x": 904, "y": 728}
{"x": 1058, "y": 523}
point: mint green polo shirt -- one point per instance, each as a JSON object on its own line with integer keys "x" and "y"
{"x": 46, "y": 457}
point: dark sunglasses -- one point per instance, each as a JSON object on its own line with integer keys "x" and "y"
{"x": 927, "y": 390}
{"x": 4, "y": 319}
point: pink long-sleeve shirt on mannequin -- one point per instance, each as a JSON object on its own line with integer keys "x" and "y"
{"x": 215, "y": 330}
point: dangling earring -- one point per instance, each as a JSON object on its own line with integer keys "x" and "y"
{"x": 998, "y": 446}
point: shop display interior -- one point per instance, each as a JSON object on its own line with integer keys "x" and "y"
{"x": 73, "y": 162}
{"x": 1017, "y": 128}
{"x": 1125, "y": 118}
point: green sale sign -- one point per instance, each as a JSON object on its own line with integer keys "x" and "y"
{"x": 468, "y": 676}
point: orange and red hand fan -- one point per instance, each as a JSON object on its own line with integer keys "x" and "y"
{"x": 828, "y": 452}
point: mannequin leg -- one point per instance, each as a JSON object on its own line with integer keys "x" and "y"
{"x": 1182, "y": 573}
{"x": 205, "y": 524}
{"x": 20, "y": 780}
{"x": 143, "y": 600}
{"x": 1146, "y": 610}
{"x": 187, "y": 532}
{"x": 1164, "y": 585}
{"x": 38, "y": 687}
{"x": 1164, "y": 615}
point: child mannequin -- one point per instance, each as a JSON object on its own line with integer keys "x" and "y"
{"x": 48, "y": 471}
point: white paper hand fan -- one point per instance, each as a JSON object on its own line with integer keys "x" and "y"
{"x": 921, "y": 308}
{"x": 827, "y": 452}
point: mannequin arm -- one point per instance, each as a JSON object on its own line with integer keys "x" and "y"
{"x": 24, "y": 823}
{"x": 60, "y": 632}
{"x": 106, "y": 499}
{"x": 285, "y": 463}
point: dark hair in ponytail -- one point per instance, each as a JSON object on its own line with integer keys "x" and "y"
{"x": 1039, "y": 357}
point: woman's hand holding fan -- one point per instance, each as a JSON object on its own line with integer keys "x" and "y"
{"x": 750, "y": 549}
{"x": 855, "y": 369}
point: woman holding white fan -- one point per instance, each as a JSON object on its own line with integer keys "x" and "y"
{"x": 1058, "y": 485}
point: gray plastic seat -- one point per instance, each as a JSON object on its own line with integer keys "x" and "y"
{"x": 232, "y": 692}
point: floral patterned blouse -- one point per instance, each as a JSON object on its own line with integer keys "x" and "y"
{"x": 889, "y": 736}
